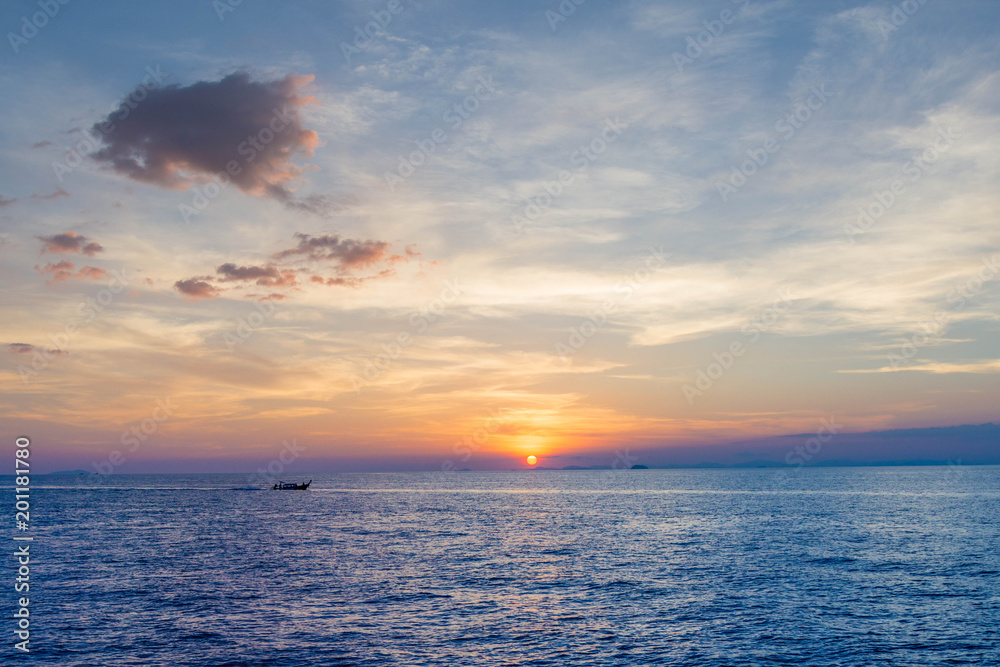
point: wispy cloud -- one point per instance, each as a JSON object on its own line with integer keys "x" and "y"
{"x": 66, "y": 270}
{"x": 54, "y": 195}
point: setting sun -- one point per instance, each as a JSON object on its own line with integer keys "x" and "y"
{"x": 532, "y": 460}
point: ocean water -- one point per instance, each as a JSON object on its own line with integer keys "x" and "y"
{"x": 835, "y": 566}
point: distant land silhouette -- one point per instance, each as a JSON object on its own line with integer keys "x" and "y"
{"x": 967, "y": 444}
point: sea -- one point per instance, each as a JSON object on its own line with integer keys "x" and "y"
{"x": 801, "y": 566}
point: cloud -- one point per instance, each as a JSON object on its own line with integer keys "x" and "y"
{"x": 322, "y": 205}
{"x": 274, "y": 296}
{"x": 25, "y": 348}
{"x": 263, "y": 275}
{"x": 91, "y": 273}
{"x": 337, "y": 282}
{"x": 6, "y": 202}
{"x": 350, "y": 281}
{"x": 935, "y": 367}
{"x": 42, "y": 144}
{"x": 66, "y": 270}
{"x": 179, "y": 135}
{"x": 345, "y": 257}
{"x": 196, "y": 289}
{"x": 349, "y": 253}
{"x": 70, "y": 242}
{"x": 55, "y": 195}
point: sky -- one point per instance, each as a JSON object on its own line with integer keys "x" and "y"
{"x": 426, "y": 235}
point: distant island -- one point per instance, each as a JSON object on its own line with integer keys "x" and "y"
{"x": 72, "y": 472}
{"x": 635, "y": 467}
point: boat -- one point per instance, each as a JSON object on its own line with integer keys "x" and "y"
{"x": 291, "y": 486}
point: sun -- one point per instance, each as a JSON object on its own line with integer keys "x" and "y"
{"x": 531, "y": 460}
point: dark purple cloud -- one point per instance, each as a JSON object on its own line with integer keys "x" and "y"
{"x": 196, "y": 289}
{"x": 263, "y": 275}
{"x": 25, "y": 348}
{"x": 176, "y": 136}
{"x": 70, "y": 242}
{"x": 347, "y": 252}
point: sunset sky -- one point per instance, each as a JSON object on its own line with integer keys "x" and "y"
{"x": 483, "y": 231}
